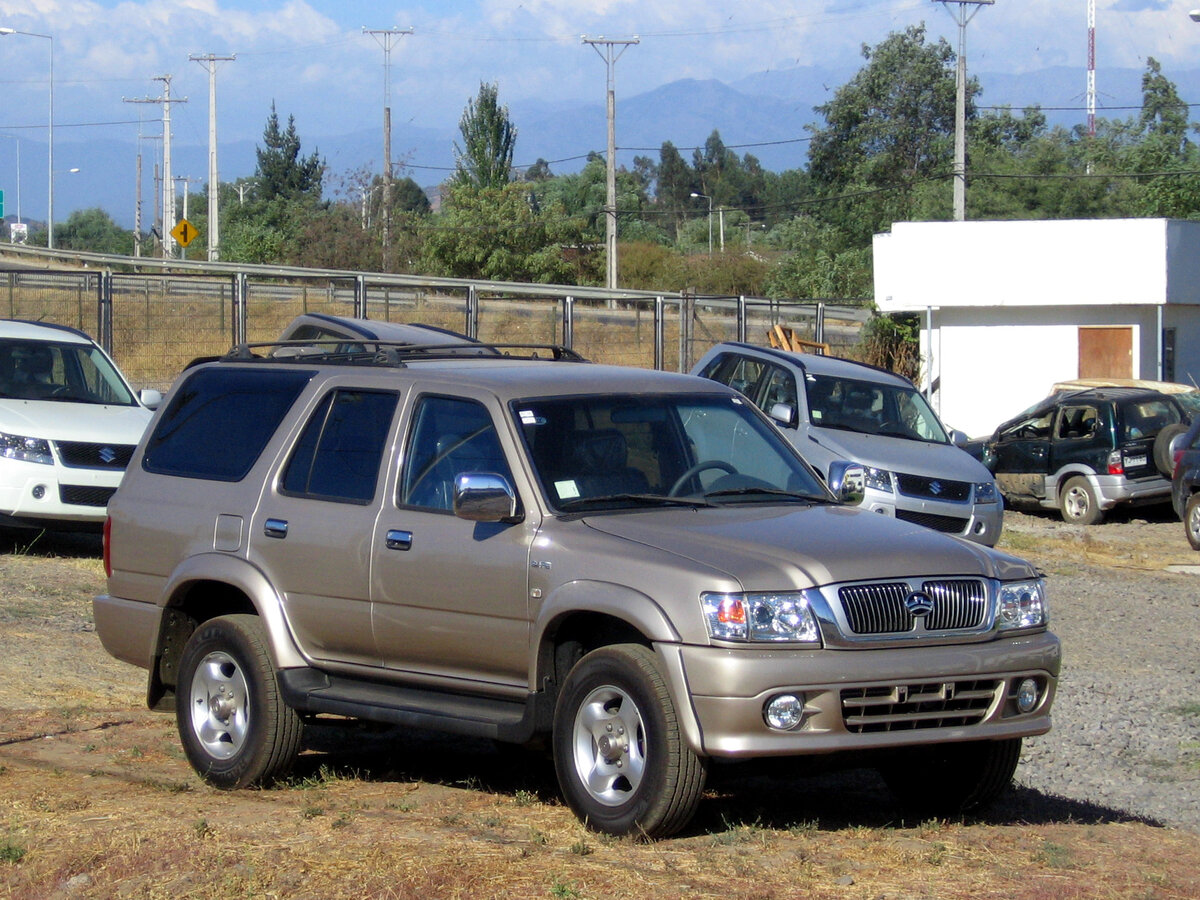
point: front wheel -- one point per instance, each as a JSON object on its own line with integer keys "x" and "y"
{"x": 1191, "y": 521}
{"x": 235, "y": 728}
{"x": 953, "y": 778}
{"x": 1078, "y": 502}
{"x": 622, "y": 762}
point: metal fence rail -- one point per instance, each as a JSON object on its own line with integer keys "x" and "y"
{"x": 155, "y": 316}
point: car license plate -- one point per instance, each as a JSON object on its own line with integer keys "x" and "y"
{"x": 1133, "y": 461}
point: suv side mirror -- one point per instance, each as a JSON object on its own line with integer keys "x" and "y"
{"x": 783, "y": 414}
{"x": 483, "y": 497}
{"x": 847, "y": 480}
{"x": 150, "y": 398}
{"x": 957, "y": 438}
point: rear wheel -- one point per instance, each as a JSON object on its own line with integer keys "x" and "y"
{"x": 1191, "y": 521}
{"x": 953, "y": 778}
{"x": 1078, "y": 502}
{"x": 622, "y": 762}
{"x": 235, "y": 728}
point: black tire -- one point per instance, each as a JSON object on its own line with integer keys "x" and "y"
{"x": 1078, "y": 504}
{"x": 235, "y": 728}
{"x": 952, "y": 779}
{"x": 1164, "y": 459}
{"x": 622, "y": 762}
{"x": 1191, "y": 521}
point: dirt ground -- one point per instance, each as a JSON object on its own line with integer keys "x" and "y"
{"x": 97, "y": 801}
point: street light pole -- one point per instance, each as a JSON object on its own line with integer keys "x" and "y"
{"x": 50, "y": 136}
{"x": 709, "y": 199}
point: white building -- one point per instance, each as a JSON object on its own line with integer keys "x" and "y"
{"x": 1010, "y": 308}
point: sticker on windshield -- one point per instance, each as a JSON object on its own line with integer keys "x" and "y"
{"x": 529, "y": 417}
{"x": 567, "y": 490}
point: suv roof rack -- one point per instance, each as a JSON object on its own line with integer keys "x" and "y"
{"x": 395, "y": 354}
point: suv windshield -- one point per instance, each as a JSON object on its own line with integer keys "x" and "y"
{"x": 69, "y": 372}
{"x": 870, "y": 407}
{"x": 626, "y": 451}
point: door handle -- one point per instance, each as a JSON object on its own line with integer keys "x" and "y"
{"x": 275, "y": 528}
{"x": 399, "y": 540}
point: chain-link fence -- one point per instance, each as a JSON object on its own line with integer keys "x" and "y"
{"x": 155, "y": 324}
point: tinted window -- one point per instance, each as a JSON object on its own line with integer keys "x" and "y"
{"x": 219, "y": 421}
{"x": 339, "y": 452}
{"x": 1146, "y": 418}
{"x": 450, "y": 436}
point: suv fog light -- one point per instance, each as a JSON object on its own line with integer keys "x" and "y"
{"x": 1027, "y": 695}
{"x": 785, "y": 711}
{"x": 39, "y": 492}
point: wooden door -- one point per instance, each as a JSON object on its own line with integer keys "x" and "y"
{"x": 1106, "y": 352}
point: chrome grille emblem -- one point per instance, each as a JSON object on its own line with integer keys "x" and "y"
{"x": 107, "y": 454}
{"x": 935, "y": 488}
{"x": 918, "y": 603}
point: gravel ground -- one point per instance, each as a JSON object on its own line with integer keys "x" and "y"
{"x": 1126, "y": 732}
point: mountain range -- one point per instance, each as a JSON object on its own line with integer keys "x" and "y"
{"x": 765, "y": 114}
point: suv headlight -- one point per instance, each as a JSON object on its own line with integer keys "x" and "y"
{"x": 760, "y": 617}
{"x": 1023, "y": 605}
{"x": 985, "y": 492}
{"x": 879, "y": 479}
{"x": 26, "y": 449}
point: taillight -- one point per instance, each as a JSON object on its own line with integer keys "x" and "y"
{"x": 1116, "y": 465}
{"x": 107, "y": 547}
{"x": 1175, "y": 460}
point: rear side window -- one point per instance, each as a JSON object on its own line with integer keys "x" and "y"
{"x": 219, "y": 421}
{"x": 339, "y": 453}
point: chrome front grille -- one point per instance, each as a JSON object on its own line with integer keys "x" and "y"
{"x": 911, "y": 707}
{"x": 882, "y": 608}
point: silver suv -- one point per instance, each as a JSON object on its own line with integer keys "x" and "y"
{"x": 842, "y": 414}
{"x": 631, "y": 564}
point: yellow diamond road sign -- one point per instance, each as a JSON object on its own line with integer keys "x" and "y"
{"x": 185, "y": 232}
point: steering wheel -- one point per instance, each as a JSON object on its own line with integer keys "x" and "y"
{"x": 695, "y": 470}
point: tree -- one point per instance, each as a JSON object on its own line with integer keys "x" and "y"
{"x": 93, "y": 231}
{"x": 889, "y": 128}
{"x": 496, "y": 233}
{"x": 489, "y": 138}
{"x": 281, "y": 172}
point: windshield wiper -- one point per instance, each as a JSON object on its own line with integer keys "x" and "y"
{"x": 639, "y": 499}
{"x": 768, "y": 491}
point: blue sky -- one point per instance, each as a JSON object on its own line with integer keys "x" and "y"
{"x": 314, "y": 62}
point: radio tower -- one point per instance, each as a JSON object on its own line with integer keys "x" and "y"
{"x": 1091, "y": 76}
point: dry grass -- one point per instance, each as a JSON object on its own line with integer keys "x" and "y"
{"x": 97, "y": 801}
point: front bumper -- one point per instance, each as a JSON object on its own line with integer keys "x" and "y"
{"x": 862, "y": 699}
{"x": 979, "y": 522}
{"x": 34, "y": 493}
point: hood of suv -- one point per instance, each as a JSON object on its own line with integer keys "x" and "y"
{"x": 86, "y": 422}
{"x": 902, "y": 455}
{"x": 778, "y": 548}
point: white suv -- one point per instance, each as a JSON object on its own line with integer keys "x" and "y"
{"x": 68, "y": 425}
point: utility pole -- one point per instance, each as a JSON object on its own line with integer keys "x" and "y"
{"x": 386, "y": 37}
{"x": 168, "y": 186}
{"x": 610, "y": 55}
{"x": 209, "y": 61}
{"x": 965, "y": 13}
